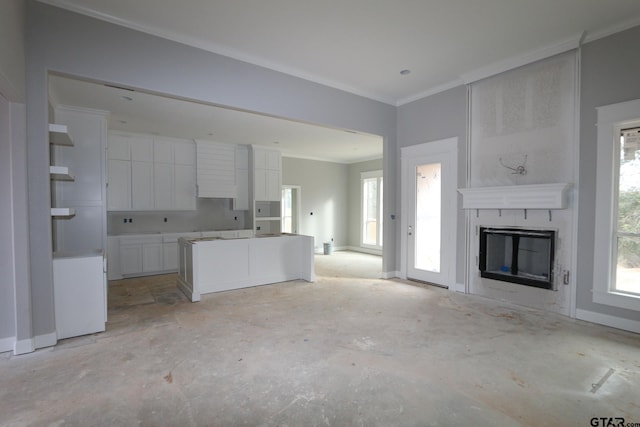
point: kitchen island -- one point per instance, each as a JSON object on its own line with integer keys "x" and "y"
{"x": 218, "y": 264}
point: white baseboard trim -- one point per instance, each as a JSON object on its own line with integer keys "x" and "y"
{"x": 607, "y": 320}
{"x": 390, "y": 274}
{"x": 46, "y": 340}
{"x": 24, "y": 346}
{"x": 459, "y": 287}
{"x": 364, "y": 250}
{"x": 6, "y": 344}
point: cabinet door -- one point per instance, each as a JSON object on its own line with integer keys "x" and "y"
{"x": 184, "y": 153}
{"x": 184, "y": 187}
{"x": 130, "y": 259}
{"x": 273, "y": 159}
{"x": 260, "y": 184}
{"x": 273, "y": 187}
{"x": 118, "y": 148}
{"x": 141, "y": 148}
{"x": 113, "y": 258}
{"x": 119, "y": 188}
{"x": 170, "y": 256}
{"x": 162, "y": 151}
{"x": 142, "y": 186}
{"x": 152, "y": 257}
{"x": 241, "y": 202}
{"x": 163, "y": 186}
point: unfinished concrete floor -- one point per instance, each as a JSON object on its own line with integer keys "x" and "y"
{"x": 350, "y": 350}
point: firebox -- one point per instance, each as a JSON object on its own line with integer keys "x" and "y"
{"x": 517, "y": 255}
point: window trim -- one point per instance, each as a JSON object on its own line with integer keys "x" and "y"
{"x": 611, "y": 120}
{"x": 368, "y": 175}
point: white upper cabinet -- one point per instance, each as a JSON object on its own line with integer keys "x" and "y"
{"x": 267, "y": 176}
{"x": 150, "y": 173}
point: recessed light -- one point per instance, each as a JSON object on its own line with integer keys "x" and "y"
{"x": 405, "y": 72}
{"x": 126, "y": 98}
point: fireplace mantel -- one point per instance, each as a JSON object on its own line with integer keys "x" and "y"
{"x": 537, "y": 196}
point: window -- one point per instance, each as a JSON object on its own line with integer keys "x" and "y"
{"x": 372, "y": 209}
{"x": 617, "y": 235}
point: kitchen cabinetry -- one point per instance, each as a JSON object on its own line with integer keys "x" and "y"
{"x": 86, "y": 193}
{"x": 267, "y": 190}
{"x": 80, "y": 294}
{"x": 216, "y": 170}
{"x": 140, "y": 254}
{"x": 146, "y": 254}
{"x": 241, "y": 201}
{"x": 147, "y": 173}
{"x": 59, "y": 135}
{"x": 219, "y": 265}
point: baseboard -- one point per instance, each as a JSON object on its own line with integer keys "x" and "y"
{"x": 607, "y": 320}
{"x": 459, "y": 287}
{"x": 390, "y": 274}
{"x": 363, "y": 250}
{"x": 24, "y": 346}
{"x": 46, "y": 340}
{"x": 6, "y": 344}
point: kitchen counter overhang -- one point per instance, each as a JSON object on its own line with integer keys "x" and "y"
{"x": 214, "y": 264}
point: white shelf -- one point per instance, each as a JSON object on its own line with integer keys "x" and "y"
{"x": 537, "y": 196}
{"x": 59, "y": 135}
{"x": 63, "y": 212}
{"x": 267, "y": 218}
{"x": 60, "y": 173}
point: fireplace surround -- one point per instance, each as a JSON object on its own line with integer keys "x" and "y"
{"x": 517, "y": 255}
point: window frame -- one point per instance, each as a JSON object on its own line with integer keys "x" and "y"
{"x": 612, "y": 119}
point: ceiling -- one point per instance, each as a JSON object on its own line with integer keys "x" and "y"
{"x": 360, "y": 46}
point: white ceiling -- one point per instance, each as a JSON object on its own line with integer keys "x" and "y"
{"x": 355, "y": 45}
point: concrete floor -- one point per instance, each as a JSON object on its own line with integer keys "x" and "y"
{"x": 347, "y": 350}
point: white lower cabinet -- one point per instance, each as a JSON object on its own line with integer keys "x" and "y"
{"x": 80, "y": 294}
{"x": 130, "y": 259}
{"x": 140, "y": 254}
{"x": 143, "y": 254}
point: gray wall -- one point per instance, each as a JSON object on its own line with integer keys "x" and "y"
{"x": 610, "y": 73}
{"x": 355, "y": 197}
{"x": 440, "y": 116}
{"x": 323, "y": 193}
{"x": 12, "y": 50}
{"x": 69, "y": 43}
{"x": 7, "y": 259}
{"x": 14, "y": 285}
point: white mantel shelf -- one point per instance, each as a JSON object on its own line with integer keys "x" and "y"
{"x": 537, "y": 196}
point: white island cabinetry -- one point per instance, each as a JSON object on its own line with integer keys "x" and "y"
{"x": 216, "y": 264}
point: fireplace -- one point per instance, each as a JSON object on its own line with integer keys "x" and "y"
{"x": 517, "y": 255}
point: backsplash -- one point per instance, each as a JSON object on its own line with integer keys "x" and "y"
{"x": 211, "y": 214}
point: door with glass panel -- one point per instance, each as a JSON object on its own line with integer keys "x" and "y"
{"x": 431, "y": 216}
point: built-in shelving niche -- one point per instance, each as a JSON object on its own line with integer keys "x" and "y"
{"x": 59, "y": 135}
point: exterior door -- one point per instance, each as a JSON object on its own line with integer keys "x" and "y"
{"x": 430, "y": 185}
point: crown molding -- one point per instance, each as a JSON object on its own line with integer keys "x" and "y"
{"x": 592, "y": 36}
{"x": 429, "y": 92}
